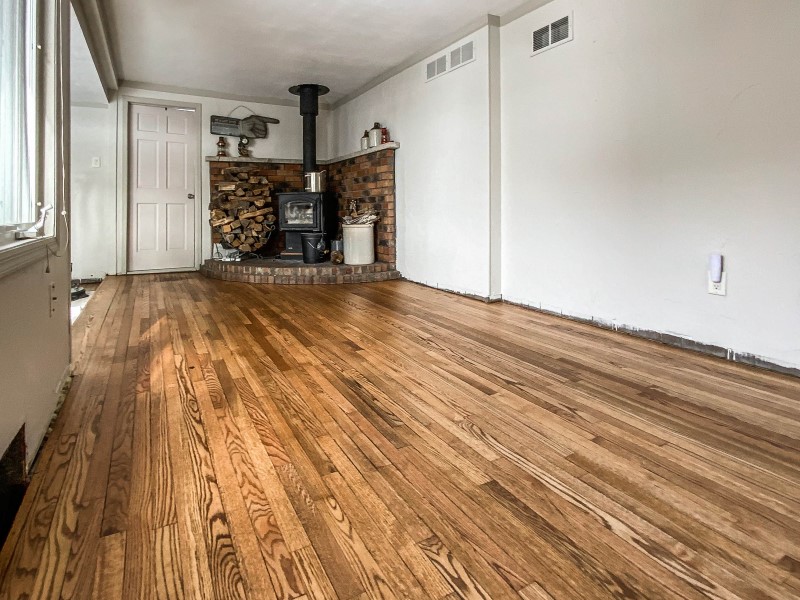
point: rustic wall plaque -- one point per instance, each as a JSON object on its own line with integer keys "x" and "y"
{"x": 254, "y": 126}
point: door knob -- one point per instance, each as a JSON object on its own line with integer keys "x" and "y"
{"x": 190, "y": 196}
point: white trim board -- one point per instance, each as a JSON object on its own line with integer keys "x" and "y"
{"x": 123, "y": 110}
{"x": 418, "y": 57}
{"x": 171, "y": 89}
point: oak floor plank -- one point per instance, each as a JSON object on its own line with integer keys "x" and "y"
{"x": 110, "y": 568}
{"x": 225, "y": 440}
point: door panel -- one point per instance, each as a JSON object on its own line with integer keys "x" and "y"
{"x": 146, "y": 164}
{"x": 176, "y": 227}
{"x": 147, "y": 230}
{"x": 163, "y": 147}
{"x": 177, "y": 169}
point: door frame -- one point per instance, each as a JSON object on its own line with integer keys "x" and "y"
{"x": 123, "y": 165}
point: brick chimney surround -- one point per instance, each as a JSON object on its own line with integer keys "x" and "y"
{"x": 367, "y": 176}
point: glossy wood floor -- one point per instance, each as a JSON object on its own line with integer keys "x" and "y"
{"x": 386, "y": 440}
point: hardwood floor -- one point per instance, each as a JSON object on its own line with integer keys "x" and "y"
{"x": 224, "y": 440}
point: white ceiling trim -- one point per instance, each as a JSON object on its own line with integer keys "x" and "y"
{"x": 420, "y": 56}
{"x": 522, "y": 10}
{"x": 89, "y": 105}
{"x": 95, "y": 29}
{"x": 488, "y": 20}
{"x": 169, "y": 89}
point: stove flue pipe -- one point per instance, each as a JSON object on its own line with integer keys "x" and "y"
{"x": 309, "y": 108}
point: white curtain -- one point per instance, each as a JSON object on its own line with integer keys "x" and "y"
{"x": 16, "y": 57}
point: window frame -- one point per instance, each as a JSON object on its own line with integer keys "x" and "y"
{"x": 51, "y": 162}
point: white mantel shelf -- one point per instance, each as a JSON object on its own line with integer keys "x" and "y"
{"x": 296, "y": 161}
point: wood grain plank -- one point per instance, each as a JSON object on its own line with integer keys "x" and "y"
{"x": 224, "y": 440}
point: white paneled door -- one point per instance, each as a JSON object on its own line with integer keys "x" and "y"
{"x": 161, "y": 216}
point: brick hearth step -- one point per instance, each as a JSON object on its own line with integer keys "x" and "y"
{"x": 281, "y": 272}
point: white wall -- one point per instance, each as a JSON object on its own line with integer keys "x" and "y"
{"x": 285, "y": 140}
{"x": 94, "y": 216}
{"x": 442, "y": 167}
{"x": 665, "y": 131}
{"x": 35, "y": 342}
{"x": 35, "y": 349}
{"x": 94, "y": 191}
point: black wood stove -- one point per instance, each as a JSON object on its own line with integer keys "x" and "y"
{"x": 307, "y": 212}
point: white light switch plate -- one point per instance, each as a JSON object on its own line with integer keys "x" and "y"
{"x": 718, "y": 289}
{"x": 95, "y": 162}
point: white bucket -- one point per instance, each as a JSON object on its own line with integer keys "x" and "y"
{"x": 359, "y": 244}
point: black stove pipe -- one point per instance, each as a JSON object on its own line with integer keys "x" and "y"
{"x": 309, "y": 108}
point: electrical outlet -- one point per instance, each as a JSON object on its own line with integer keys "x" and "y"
{"x": 718, "y": 289}
{"x": 53, "y": 298}
{"x": 95, "y": 162}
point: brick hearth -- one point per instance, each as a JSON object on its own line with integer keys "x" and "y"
{"x": 367, "y": 177}
{"x": 281, "y": 272}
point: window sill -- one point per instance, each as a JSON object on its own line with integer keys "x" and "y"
{"x": 22, "y": 253}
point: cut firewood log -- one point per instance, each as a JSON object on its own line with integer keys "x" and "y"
{"x": 221, "y": 222}
{"x": 253, "y": 213}
{"x": 240, "y": 209}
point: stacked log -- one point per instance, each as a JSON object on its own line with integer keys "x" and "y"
{"x": 241, "y": 210}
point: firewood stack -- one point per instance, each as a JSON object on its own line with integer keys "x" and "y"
{"x": 240, "y": 215}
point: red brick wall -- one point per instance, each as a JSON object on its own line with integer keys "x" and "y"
{"x": 283, "y": 177}
{"x": 369, "y": 179}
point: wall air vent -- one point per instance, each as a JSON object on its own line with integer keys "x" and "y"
{"x": 556, "y": 33}
{"x": 455, "y": 58}
{"x": 437, "y": 67}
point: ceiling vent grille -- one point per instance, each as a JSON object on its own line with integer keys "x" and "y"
{"x": 457, "y": 57}
{"x": 556, "y": 33}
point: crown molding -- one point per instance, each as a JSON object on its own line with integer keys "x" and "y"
{"x": 486, "y": 21}
{"x": 94, "y": 25}
{"x": 478, "y": 24}
{"x": 522, "y": 10}
{"x": 171, "y": 89}
{"x": 88, "y": 105}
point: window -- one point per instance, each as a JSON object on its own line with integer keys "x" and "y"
{"x": 18, "y": 115}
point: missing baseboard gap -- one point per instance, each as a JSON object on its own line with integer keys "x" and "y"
{"x": 66, "y": 385}
{"x": 486, "y": 299}
{"x": 673, "y": 340}
{"x": 669, "y": 339}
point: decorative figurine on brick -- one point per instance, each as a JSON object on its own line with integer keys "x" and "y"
{"x": 244, "y": 150}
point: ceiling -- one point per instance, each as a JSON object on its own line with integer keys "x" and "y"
{"x": 84, "y": 80}
{"x": 260, "y": 48}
